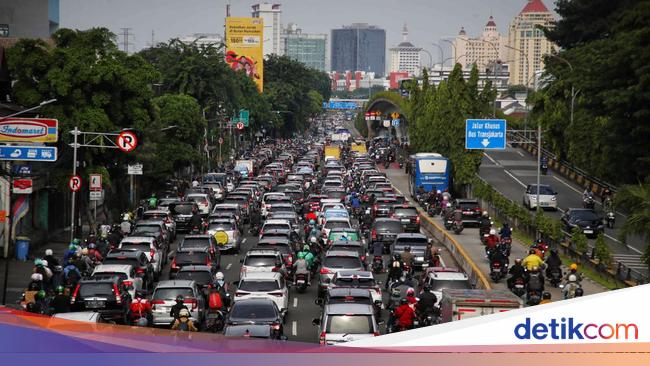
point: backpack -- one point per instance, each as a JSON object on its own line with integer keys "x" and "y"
{"x": 214, "y": 300}
{"x": 534, "y": 282}
{"x": 183, "y": 326}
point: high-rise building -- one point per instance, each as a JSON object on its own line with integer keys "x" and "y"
{"x": 405, "y": 57}
{"x": 483, "y": 50}
{"x": 310, "y": 49}
{"x": 29, "y": 19}
{"x": 527, "y": 44}
{"x": 271, "y": 14}
{"x": 359, "y": 47}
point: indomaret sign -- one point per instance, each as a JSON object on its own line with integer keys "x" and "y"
{"x": 29, "y": 130}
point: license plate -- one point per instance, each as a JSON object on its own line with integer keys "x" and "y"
{"x": 519, "y": 286}
{"x": 300, "y": 282}
{"x": 94, "y": 304}
{"x": 406, "y": 220}
{"x": 588, "y": 231}
{"x": 543, "y": 203}
{"x": 213, "y": 316}
{"x": 467, "y": 212}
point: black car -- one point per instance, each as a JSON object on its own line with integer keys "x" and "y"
{"x": 408, "y": 216}
{"x": 471, "y": 211}
{"x": 256, "y": 312}
{"x": 586, "y": 219}
{"x": 194, "y": 257}
{"x": 136, "y": 258}
{"x": 105, "y": 294}
{"x": 182, "y": 213}
{"x": 385, "y": 230}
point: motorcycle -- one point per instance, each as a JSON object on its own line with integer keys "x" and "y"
{"x": 449, "y": 223}
{"x": 496, "y": 271}
{"x": 519, "y": 287}
{"x": 555, "y": 276}
{"x": 377, "y": 264}
{"x": 505, "y": 246}
{"x": 611, "y": 219}
{"x": 215, "y": 320}
{"x": 543, "y": 167}
{"x": 533, "y": 297}
{"x": 457, "y": 226}
{"x": 571, "y": 290}
{"x": 588, "y": 202}
{"x": 301, "y": 282}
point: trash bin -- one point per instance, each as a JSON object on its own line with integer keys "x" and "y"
{"x": 22, "y": 248}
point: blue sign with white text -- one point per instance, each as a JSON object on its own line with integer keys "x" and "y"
{"x": 485, "y": 134}
{"x": 28, "y": 153}
{"x": 340, "y": 105}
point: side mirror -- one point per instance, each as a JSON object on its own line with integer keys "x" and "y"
{"x": 319, "y": 301}
{"x": 241, "y": 260}
{"x": 315, "y": 322}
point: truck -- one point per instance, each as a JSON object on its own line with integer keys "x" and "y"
{"x": 332, "y": 152}
{"x": 246, "y": 166}
{"x": 359, "y": 147}
{"x": 459, "y": 304}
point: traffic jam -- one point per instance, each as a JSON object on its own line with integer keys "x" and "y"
{"x": 301, "y": 239}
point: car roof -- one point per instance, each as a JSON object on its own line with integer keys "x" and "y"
{"x": 277, "y": 221}
{"x": 466, "y": 200}
{"x": 261, "y": 276}
{"x": 411, "y": 236}
{"x": 197, "y": 236}
{"x": 137, "y": 239}
{"x": 349, "y": 291}
{"x": 125, "y": 268}
{"x": 175, "y": 283}
{"x": 148, "y": 222}
{"x": 195, "y": 268}
{"x": 115, "y": 253}
{"x": 362, "y": 274}
{"x": 349, "y": 308}
{"x": 262, "y": 251}
{"x": 448, "y": 275}
{"x": 341, "y": 253}
{"x": 386, "y": 219}
{"x": 159, "y": 212}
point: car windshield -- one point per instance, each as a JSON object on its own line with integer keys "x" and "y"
{"x": 417, "y": 242}
{"x": 201, "y": 277}
{"x": 180, "y": 209}
{"x": 221, "y": 226}
{"x": 276, "y": 226}
{"x": 389, "y": 226}
{"x": 146, "y": 229}
{"x": 342, "y": 262}
{"x": 191, "y": 258}
{"x": 170, "y": 293}
{"x": 349, "y": 324}
{"x": 153, "y": 216}
{"x": 409, "y": 211}
{"x": 135, "y": 246}
{"x": 584, "y": 215}
{"x": 350, "y": 299}
{"x": 337, "y": 225}
{"x": 439, "y": 285}
{"x": 256, "y": 310}
{"x": 546, "y": 190}
{"x": 128, "y": 261}
{"x": 121, "y": 275}
{"x": 337, "y": 235}
{"x": 282, "y": 209}
{"x": 96, "y": 290}
{"x": 469, "y": 206}
{"x": 198, "y": 199}
{"x": 260, "y": 260}
{"x": 258, "y": 286}
{"x": 195, "y": 243}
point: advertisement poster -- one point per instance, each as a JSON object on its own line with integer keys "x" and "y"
{"x": 244, "y": 37}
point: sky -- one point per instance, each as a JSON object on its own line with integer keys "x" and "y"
{"x": 429, "y": 21}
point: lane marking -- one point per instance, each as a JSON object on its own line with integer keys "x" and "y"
{"x": 294, "y": 328}
{"x": 567, "y": 184}
{"x": 243, "y": 240}
{"x": 515, "y": 178}
{"x": 295, "y": 302}
{"x": 520, "y": 153}
{"x": 628, "y": 246}
{"x": 228, "y": 266}
{"x": 491, "y": 159}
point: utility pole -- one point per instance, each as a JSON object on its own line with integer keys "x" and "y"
{"x": 126, "y": 39}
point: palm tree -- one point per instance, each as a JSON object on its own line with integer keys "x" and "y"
{"x": 635, "y": 199}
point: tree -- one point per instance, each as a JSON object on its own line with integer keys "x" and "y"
{"x": 635, "y": 200}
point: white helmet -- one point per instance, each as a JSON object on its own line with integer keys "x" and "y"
{"x": 219, "y": 276}
{"x": 37, "y": 277}
{"x": 485, "y": 213}
{"x": 493, "y": 232}
{"x": 438, "y": 191}
{"x": 48, "y": 252}
{"x": 184, "y": 313}
{"x": 45, "y": 264}
{"x": 313, "y": 239}
{"x": 573, "y": 278}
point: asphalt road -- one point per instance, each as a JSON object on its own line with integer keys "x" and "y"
{"x": 511, "y": 170}
{"x": 470, "y": 240}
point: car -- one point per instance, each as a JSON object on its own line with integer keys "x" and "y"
{"x": 587, "y": 220}
{"x": 262, "y": 259}
{"x": 257, "y": 312}
{"x": 228, "y": 210}
{"x": 346, "y": 295}
{"x": 385, "y": 230}
{"x": 352, "y": 245}
{"x": 280, "y": 207}
{"x": 200, "y": 274}
{"x": 547, "y": 197}
{"x": 471, "y": 209}
{"x": 272, "y": 198}
{"x": 440, "y": 278}
{"x": 155, "y": 229}
{"x": 269, "y": 285}
{"x": 418, "y": 244}
{"x": 262, "y": 331}
{"x": 357, "y": 279}
{"x": 188, "y": 257}
{"x": 218, "y": 192}
{"x": 164, "y": 297}
{"x": 335, "y": 261}
{"x": 203, "y": 202}
{"x": 148, "y": 246}
{"x": 105, "y": 294}
{"x": 243, "y": 201}
{"x": 335, "y": 223}
{"x": 182, "y": 213}
{"x": 231, "y": 240}
{"x": 126, "y": 274}
{"x": 383, "y": 207}
{"x": 91, "y": 317}
{"x": 199, "y": 242}
{"x": 275, "y": 224}
{"x": 337, "y": 234}
{"x": 138, "y": 259}
{"x": 408, "y": 216}
{"x": 346, "y": 322}
{"x": 166, "y": 218}
{"x": 291, "y": 235}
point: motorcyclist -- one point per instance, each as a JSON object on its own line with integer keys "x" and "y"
{"x": 410, "y": 296}
{"x": 485, "y": 223}
{"x": 71, "y": 274}
{"x": 153, "y": 201}
{"x": 535, "y": 280}
{"x": 407, "y": 257}
{"x": 607, "y": 194}
{"x": 446, "y": 196}
{"x": 41, "y": 266}
{"x": 404, "y": 314}
{"x": 174, "y": 312}
{"x": 377, "y": 249}
{"x": 395, "y": 270}
{"x": 58, "y": 278}
{"x": 94, "y": 254}
{"x": 61, "y": 302}
{"x": 36, "y": 282}
{"x": 355, "y": 202}
{"x": 432, "y": 256}
{"x": 427, "y": 301}
{"x": 302, "y": 267}
{"x": 497, "y": 256}
{"x": 491, "y": 242}
{"x": 572, "y": 283}
{"x": 313, "y": 232}
{"x": 183, "y": 322}
{"x": 40, "y": 305}
{"x": 88, "y": 262}
{"x": 140, "y": 308}
{"x": 573, "y": 270}
{"x": 220, "y": 285}
{"x": 420, "y": 191}
{"x": 532, "y": 260}
{"x": 309, "y": 256}
{"x": 72, "y": 250}
{"x": 255, "y": 218}
{"x": 196, "y": 222}
{"x": 51, "y": 260}
{"x": 448, "y": 211}
{"x": 516, "y": 271}
{"x": 553, "y": 262}
{"x": 506, "y": 231}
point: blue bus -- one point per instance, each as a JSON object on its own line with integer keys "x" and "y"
{"x": 430, "y": 170}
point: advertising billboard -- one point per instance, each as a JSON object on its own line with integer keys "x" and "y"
{"x": 244, "y": 47}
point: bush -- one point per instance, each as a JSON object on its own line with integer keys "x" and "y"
{"x": 601, "y": 251}
{"x": 579, "y": 240}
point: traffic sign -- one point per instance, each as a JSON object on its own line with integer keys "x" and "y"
{"x": 75, "y": 183}
{"x": 220, "y": 140}
{"x": 135, "y": 169}
{"x": 95, "y": 195}
{"x": 29, "y": 130}
{"x": 95, "y": 182}
{"x": 395, "y": 122}
{"x": 488, "y": 134}
{"x": 21, "y": 169}
{"x": 29, "y": 153}
{"x": 126, "y": 141}
{"x": 387, "y": 123}
{"x": 394, "y": 115}
{"x": 22, "y": 185}
{"x": 240, "y": 125}
{"x": 244, "y": 116}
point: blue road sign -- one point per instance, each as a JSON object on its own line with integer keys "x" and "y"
{"x": 28, "y": 153}
{"x": 395, "y": 122}
{"x": 22, "y": 169}
{"x": 485, "y": 134}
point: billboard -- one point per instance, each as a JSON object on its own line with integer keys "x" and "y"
{"x": 244, "y": 47}
{"x": 29, "y": 130}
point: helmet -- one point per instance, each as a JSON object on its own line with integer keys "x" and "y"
{"x": 539, "y": 241}
{"x": 301, "y": 255}
{"x": 438, "y": 192}
{"x": 407, "y": 248}
{"x": 410, "y": 292}
{"x": 485, "y": 214}
{"x": 532, "y": 251}
{"x": 306, "y": 247}
{"x": 546, "y": 295}
{"x": 573, "y": 266}
{"x": 59, "y": 289}
{"x": 313, "y": 240}
{"x": 579, "y": 292}
{"x": 554, "y": 251}
{"x": 36, "y": 277}
{"x": 535, "y": 269}
{"x": 38, "y": 262}
{"x": 76, "y": 241}
{"x": 426, "y": 287}
{"x": 180, "y": 298}
{"x": 92, "y": 246}
{"x": 403, "y": 301}
{"x": 84, "y": 251}
{"x": 184, "y": 313}
{"x": 45, "y": 263}
{"x": 219, "y": 276}
{"x": 493, "y": 232}
{"x": 48, "y": 252}
{"x": 40, "y": 294}
{"x": 153, "y": 195}
{"x": 312, "y": 222}
{"x": 573, "y": 278}
{"x": 518, "y": 261}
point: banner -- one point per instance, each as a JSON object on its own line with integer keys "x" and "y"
{"x": 244, "y": 47}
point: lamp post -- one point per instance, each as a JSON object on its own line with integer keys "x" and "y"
{"x": 442, "y": 54}
{"x": 523, "y": 56}
{"x": 574, "y": 93}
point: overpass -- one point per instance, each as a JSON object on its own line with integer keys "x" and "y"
{"x": 386, "y": 107}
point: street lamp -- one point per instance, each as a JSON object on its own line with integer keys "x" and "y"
{"x": 494, "y": 73}
{"x": 442, "y": 54}
{"x": 41, "y": 104}
{"x": 574, "y": 93}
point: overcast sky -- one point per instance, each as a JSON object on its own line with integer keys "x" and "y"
{"x": 428, "y": 20}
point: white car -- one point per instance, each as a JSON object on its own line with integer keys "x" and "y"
{"x": 335, "y": 222}
{"x": 147, "y": 245}
{"x": 547, "y": 197}
{"x": 271, "y": 224}
{"x": 266, "y": 285}
{"x": 202, "y": 200}
{"x": 269, "y": 198}
{"x": 262, "y": 260}
{"x": 125, "y": 271}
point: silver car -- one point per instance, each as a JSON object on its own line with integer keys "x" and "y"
{"x": 345, "y": 323}
{"x": 547, "y": 197}
{"x": 336, "y": 261}
{"x": 229, "y": 236}
{"x": 164, "y": 297}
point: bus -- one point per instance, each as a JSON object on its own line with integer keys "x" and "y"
{"x": 430, "y": 170}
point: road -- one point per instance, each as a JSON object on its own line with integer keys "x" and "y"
{"x": 469, "y": 239}
{"x": 511, "y": 170}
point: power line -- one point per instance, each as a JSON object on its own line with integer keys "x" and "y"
{"x": 126, "y": 39}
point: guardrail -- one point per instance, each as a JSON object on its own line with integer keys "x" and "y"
{"x": 563, "y": 167}
{"x": 476, "y": 277}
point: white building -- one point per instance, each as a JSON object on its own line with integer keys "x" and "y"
{"x": 271, "y": 14}
{"x": 405, "y": 57}
{"x": 500, "y": 78}
{"x": 483, "y": 50}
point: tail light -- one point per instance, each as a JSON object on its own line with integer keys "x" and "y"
{"x": 378, "y": 291}
{"x": 152, "y": 253}
{"x": 376, "y": 334}
{"x": 240, "y": 293}
{"x": 173, "y": 265}
{"x": 74, "y": 294}
{"x": 363, "y": 258}
{"x": 321, "y": 339}
{"x": 156, "y": 302}
{"x": 276, "y": 294}
{"x": 417, "y": 219}
{"x": 275, "y": 326}
{"x": 191, "y": 301}
{"x": 208, "y": 262}
{"x": 373, "y": 234}
{"x": 168, "y": 221}
{"x": 477, "y": 209}
{"x": 118, "y": 296}
{"x": 325, "y": 271}
{"x": 290, "y": 258}
{"x": 261, "y": 232}
{"x": 127, "y": 283}
{"x": 140, "y": 270}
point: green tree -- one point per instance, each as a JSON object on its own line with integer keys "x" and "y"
{"x": 601, "y": 251}
{"x": 635, "y": 200}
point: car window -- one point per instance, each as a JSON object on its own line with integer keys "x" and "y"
{"x": 195, "y": 243}
{"x": 146, "y": 229}
{"x": 439, "y": 285}
{"x": 349, "y": 324}
{"x": 410, "y": 211}
{"x": 258, "y": 286}
{"x": 131, "y": 246}
{"x": 342, "y": 262}
{"x": 255, "y": 310}
{"x": 181, "y": 209}
{"x": 132, "y": 261}
{"x": 337, "y": 235}
{"x": 355, "y": 282}
{"x": 546, "y": 190}
{"x": 221, "y": 226}
{"x": 390, "y": 226}
{"x": 260, "y": 260}
{"x": 350, "y": 299}
{"x": 412, "y": 242}
{"x": 96, "y": 290}
{"x": 276, "y": 226}
{"x": 168, "y": 293}
{"x": 201, "y": 277}
{"x": 584, "y": 215}
{"x": 337, "y": 225}
{"x": 191, "y": 258}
